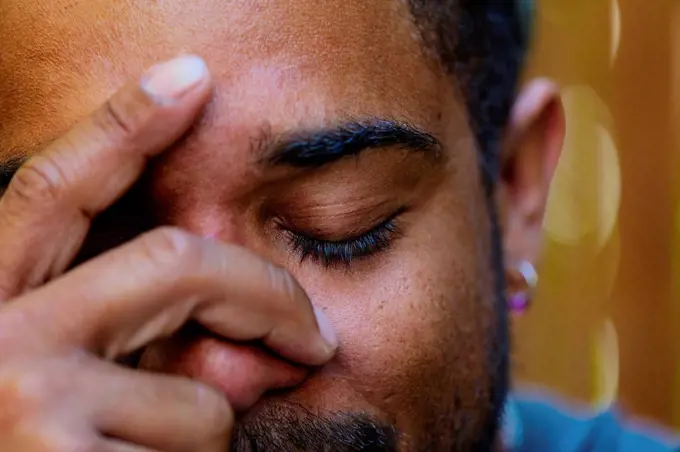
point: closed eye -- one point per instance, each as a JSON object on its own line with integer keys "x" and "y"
{"x": 328, "y": 253}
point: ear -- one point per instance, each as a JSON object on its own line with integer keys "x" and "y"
{"x": 532, "y": 147}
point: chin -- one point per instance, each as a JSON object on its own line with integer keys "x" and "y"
{"x": 279, "y": 424}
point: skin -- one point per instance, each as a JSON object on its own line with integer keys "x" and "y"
{"x": 416, "y": 323}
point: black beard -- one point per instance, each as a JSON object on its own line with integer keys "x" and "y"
{"x": 288, "y": 427}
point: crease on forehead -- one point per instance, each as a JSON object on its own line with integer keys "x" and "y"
{"x": 58, "y": 47}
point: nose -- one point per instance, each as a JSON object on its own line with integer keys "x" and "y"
{"x": 243, "y": 372}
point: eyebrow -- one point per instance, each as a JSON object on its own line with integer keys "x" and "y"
{"x": 313, "y": 149}
{"x": 317, "y": 148}
{"x": 9, "y": 166}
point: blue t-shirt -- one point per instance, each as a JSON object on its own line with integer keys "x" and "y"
{"x": 543, "y": 424}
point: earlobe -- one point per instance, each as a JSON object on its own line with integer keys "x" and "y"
{"x": 532, "y": 147}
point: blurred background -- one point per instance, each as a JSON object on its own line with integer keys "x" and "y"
{"x": 605, "y": 324}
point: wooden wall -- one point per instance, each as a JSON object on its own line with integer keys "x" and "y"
{"x": 606, "y": 320}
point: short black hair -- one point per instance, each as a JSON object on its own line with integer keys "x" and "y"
{"x": 482, "y": 43}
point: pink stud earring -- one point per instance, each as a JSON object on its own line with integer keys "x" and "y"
{"x": 521, "y": 282}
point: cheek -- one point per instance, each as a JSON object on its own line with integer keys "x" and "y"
{"x": 416, "y": 330}
{"x": 409, "y": 334}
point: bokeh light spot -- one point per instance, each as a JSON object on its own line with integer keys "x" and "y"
{"x": 586, "y": 191}
{"x": 606, "y": 366}
{"x": 615, "y": 39}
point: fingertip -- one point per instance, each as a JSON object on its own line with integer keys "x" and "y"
{"x": 172, "y": 80}
{"x": 327, "y": 332}
{"x": 311, "y": 345}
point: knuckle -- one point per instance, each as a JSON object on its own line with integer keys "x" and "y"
{"x": 115, "y": 120}
{"x": 171, "y": 249}
{"x": 41, "y": 180}
{"x": 29, "y": 397}
{"x": 22, "y": 396}
{"x": 63, "y": 442}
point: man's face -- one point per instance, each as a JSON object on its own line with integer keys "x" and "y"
{"x": 391, "y": 242}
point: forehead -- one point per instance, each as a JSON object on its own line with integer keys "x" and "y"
{"x": 304, "y": 60}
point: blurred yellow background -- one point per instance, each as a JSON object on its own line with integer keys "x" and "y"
{"x": 605, "y": 323}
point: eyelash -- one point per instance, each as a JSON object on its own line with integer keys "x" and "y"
{"x": 343, "y": 252}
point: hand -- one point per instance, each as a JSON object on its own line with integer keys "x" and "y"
{"x": 60, "y": 331}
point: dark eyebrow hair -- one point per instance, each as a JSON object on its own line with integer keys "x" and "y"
{"x": 321, "y": 147}
{"x": 314, "y": 148}
{"x": 9, "y": 166}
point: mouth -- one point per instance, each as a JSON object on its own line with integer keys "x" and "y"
{"x": 272, "y": 398}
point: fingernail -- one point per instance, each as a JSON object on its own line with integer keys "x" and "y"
{"x": 326, "y": 329}
{"x": 172, "y": 79}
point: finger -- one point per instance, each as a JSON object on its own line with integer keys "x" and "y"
{"x": 110, "y": 445}
{"x": 54, "y": 435}
{"x": 45, "y": 212}
{"x": 155, "y": 410}
{"x": 148, "y": 288}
